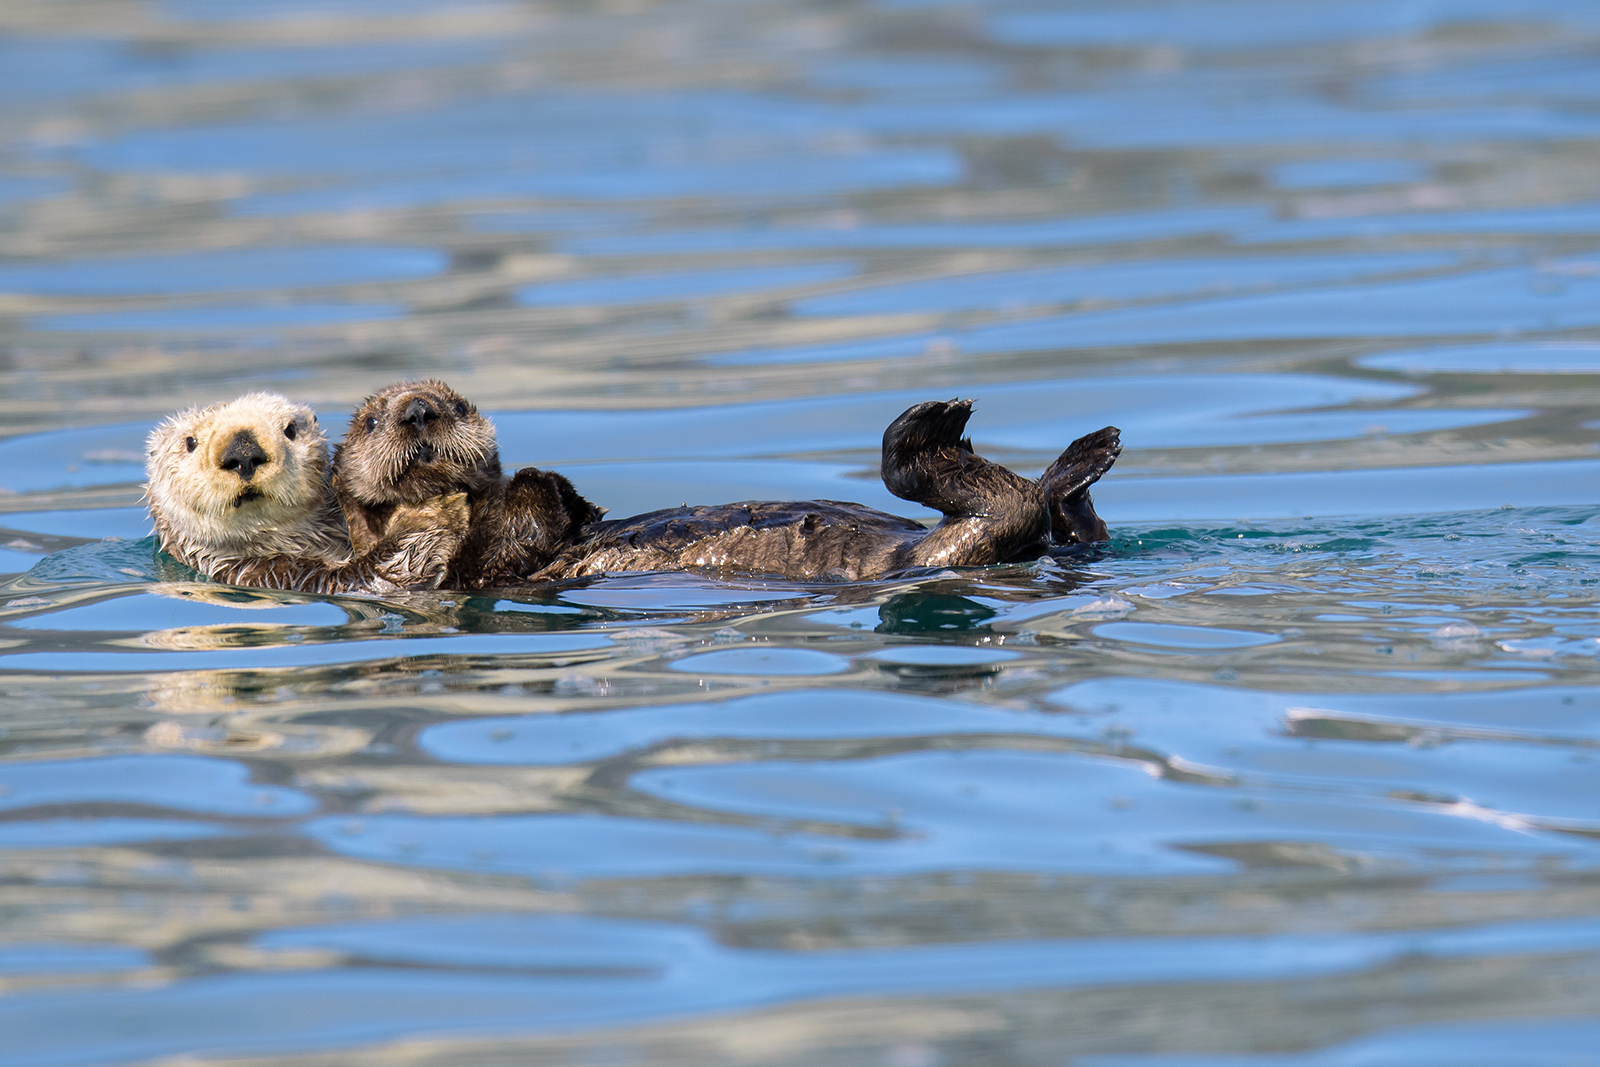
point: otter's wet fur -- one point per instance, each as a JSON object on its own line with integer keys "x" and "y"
{"x": 413, "y": 439}
{"x": 413, "y": 444}
{"x": 239, "y": 491}
{"x": 991, "y": 515}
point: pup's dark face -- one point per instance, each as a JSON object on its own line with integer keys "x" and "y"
{"x": 414, "y": 441}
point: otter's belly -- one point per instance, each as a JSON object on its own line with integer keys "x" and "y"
{"x": 808, "y": 539}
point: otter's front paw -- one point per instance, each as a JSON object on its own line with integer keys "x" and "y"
{"x": 447, "y": 515}
{"x": 422, "y": 539}
{"x": 365, "y": 533}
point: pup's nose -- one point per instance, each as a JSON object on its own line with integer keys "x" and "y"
{"x": 244, "y": 454}
{"x": 419, "y": 413}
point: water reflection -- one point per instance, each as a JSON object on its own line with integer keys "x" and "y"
{"x": 926, "y": 611}
{"x": 202, "y": 272}
{"x": 1296, "y": 769}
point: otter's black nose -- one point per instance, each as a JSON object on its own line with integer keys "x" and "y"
{"x": 419, "y": 413}
{"x": 244, "y": 455}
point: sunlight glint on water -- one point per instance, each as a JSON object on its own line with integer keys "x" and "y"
{"x": 1298, "y": 770}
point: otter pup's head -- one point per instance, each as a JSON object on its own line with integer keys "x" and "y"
{"x": 414, "y": 441}
{"x": 225, "y": 476}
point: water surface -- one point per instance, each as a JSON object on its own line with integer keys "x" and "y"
{"x": 1298, "y": 770}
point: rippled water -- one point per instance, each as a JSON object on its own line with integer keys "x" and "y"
{"x": 1300, "y": 769}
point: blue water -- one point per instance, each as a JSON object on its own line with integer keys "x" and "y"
{"x": 1299, "y": 769}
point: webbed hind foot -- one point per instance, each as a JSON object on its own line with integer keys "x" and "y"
{"x": 923, "y": 448}
{"x": 1073, "y": 519}
{"x": 990, "y": 513}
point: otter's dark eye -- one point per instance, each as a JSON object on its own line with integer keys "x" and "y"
{"x": 189, "y": 443}
{"x": 289, "y": 431}
{"x": 461, "y": 407}
{"x": 371, "y": 424}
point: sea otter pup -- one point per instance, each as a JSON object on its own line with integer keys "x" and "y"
{"x": 414, "y": 439}
{"x": 239, "y": 491}
{"x": 415, "y": 444}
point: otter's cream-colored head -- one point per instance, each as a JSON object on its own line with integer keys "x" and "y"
{"x": 236, "y": 474}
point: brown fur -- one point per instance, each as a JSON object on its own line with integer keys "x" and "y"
{"x": 991, "y": 515}
{"x": 414, "y": 442}
{"x": 415, "y": 437}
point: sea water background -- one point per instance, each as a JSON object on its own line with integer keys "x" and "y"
{"x": 1299, "y": 770}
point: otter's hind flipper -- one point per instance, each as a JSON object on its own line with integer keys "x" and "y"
{"x": 1073, "y": 519}
{"x": 922, "y": 448}
{"x": 991, "y": 514}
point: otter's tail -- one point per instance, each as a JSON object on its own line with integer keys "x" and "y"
{"x": 1066, "y": 487}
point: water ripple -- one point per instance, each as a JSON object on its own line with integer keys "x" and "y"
{"x": 1296, "y": 768}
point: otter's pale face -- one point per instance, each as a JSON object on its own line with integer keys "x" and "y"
{"x": 227, "y": 472}
{"x": 414, "y": 441}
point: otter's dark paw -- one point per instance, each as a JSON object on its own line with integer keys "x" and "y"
{"x": 545, "y": 510}
{"x": 367, "y": 526}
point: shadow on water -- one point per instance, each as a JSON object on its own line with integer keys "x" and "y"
{"x": 1297, "y": 769}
